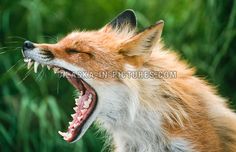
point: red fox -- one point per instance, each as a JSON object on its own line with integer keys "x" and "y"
{"x": 151, "y": 114}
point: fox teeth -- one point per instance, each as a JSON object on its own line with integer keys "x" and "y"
{"x": 42, "y": 65}
{"x": 36, "y": 64}
{"x": 48, "y": 67}
{"x": 75, "y": 108}
{"x": 86, "y": 105}
{"x": 55, "y": 70}
{"x": 62, "y": 133}
{"x": 90, "y": 96}
{"x": 80, "y": 118}
{"x": 77, "y": 102}
{"x": 68, "y": 135}
{"x": 26, "y": 60}
{"x": 64, "y": 74}
{"x": 88, "y": 102}
{"x": 75, "y": 125}
{"x": 30, "y": 63}
{"x": 83, "y": 111}
{"x": 73, "y": 115}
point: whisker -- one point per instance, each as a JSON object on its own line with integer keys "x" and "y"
{"x": 18, "y": 37}
{"x": 10, "y": 48}
{"x": 9, "y": 70}
{"x": 26, "y": 75}
{"x": 51, "y": 37}
{"x": 12, "y": 42}
{"x": 1, "y": 48}
{"x": 39, "y": 76}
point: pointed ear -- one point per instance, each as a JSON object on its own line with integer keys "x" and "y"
{"x": 125, "y": 20}
{"x": 141, "y": 45}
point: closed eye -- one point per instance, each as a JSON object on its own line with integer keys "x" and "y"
{"x": 72, "y": 51}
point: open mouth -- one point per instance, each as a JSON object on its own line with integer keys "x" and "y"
{"x": 85, "y": 104}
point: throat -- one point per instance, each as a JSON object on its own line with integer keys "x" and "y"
{"x": 144, "y": 133}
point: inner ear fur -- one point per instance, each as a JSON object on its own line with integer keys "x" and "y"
{"x": 139, "y": 47}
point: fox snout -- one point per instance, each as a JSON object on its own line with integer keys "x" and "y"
{"x": 34, "y": 51}
{"x": 28, "y": 45}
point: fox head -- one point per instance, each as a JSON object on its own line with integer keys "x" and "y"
{"x": 111, "y": 48}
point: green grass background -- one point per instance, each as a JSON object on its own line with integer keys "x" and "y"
{"x": 33, "y": 107}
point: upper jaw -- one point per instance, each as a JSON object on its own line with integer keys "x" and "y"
{"x": 36, "y": 55}
{"x": 33, "y": 58}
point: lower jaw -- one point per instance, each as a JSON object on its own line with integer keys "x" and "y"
{"x": 85, "y": 107}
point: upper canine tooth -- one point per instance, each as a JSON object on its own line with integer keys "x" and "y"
{"x": 30, "y": 63}
{"x": 56, "y": 70}
{"x": 36, "y": 64}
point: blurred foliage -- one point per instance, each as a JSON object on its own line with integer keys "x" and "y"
{"x": 34, "y": 107}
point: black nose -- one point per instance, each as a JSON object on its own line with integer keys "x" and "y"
{"x": 28, "y": 45}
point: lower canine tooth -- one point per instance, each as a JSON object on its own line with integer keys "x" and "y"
{"x": 62, "y": 133}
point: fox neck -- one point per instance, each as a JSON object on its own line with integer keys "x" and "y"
{"x": 132, "y": 126}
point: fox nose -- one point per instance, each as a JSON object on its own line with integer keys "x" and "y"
{"x": 28, "y": 45}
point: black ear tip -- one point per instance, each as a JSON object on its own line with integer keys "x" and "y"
{"x": 129, "y": 12}
{"x": 130, "y": 15}
{"x": 126, "y": 17}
